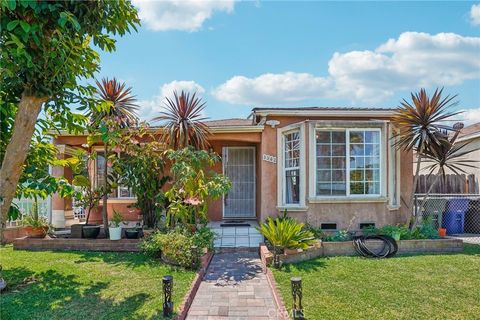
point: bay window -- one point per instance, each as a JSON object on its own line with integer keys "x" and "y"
{"x": 347, "y": 162}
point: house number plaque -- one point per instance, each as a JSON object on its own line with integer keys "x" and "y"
{"x": 269, "y": 158}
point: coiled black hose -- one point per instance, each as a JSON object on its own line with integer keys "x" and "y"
{"x": 388, "y": 250}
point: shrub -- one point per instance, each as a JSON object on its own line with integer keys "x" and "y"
{"x": 286, "y": 233}
{"x": 340, "y": 235}
{"x": 173, "y": 247}
{"x": 424, "y": 231}
{"x": 203, "y": 238}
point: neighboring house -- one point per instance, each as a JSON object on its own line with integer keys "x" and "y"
{"x": 334, "y": 168}
{"x": 467, "y": 182}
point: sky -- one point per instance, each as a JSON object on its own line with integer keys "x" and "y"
{"x": 240, "y": 55}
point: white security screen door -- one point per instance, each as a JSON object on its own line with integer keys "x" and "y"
{"x": 239, "y": 167}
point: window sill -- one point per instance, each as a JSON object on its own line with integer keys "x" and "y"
{"x": 348, "y": 200}
{"x": 121, "y": 200}
{"x": 294, "y": 209}
{"x": 393, "y": 208}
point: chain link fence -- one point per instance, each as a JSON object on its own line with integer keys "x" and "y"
{"x": 458, "y": 214}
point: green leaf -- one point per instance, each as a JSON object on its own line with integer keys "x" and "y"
{"x": 12, "y": 4}
{"x": 25, "y": 26}
{"x": 81, "y": 181}
{"x": 12, "y": 25}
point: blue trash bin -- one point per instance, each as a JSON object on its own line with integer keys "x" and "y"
{"x": 454, "y": 216}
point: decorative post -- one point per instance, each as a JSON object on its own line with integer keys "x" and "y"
{"x": 276, "y": 256}
{"x": 195, "y": 256}
{"x": 167, "y": 296}
{"x": 296, "y": 283}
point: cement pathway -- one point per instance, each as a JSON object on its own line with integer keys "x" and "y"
{"x": 234, "y": 287}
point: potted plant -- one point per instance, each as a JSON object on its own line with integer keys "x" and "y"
{"x": 133, "y": 233}
{"x": 442, "y": 232}
{"x": 35, "y": 226}
{"x": 115, "y": 228}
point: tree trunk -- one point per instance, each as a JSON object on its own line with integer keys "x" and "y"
{"x": 16, "y": 152}
{"x": 415, "y": 182}
{"x": 105, "y": 194}
{"x": 417, "y": 218}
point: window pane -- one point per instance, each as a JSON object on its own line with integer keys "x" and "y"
{"x": 357, "y": 188}
{"x": 292, "y": 149}
{"x": 338, "y": 137}
{"x": 324, "y": 175}
{"x": 338, "y": 150}
{"x": 338, "y": 163}
{"x": 357, "y": 162}
{"x": 339, "y": 189}
{"x": 372, "y": 137}
{"x": 357, "y": 149}
{"x": 356, "y": 137}
{"x": 338, "y": 175}
{"x": 372, "y": 187}
{"x": 323, "y": 150}
{"x": 323, "y": 137}
{"x": 372, "y": 175}
{"x": 292, "y": 186}
{"x": 372, "y": 162}
{"x": 357, "y": 175}
{"x": 372, "y": 150}
{"x": 324, "y": 189}
{"x": 324, "y": 163}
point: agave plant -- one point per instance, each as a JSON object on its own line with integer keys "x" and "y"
{"x": 183, "y": 122}
{"x": 420, "y": 123}
{"x": 119, "y": 105}
{"x": 286, "y": 233}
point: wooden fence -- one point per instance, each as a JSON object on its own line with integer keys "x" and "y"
{"x": 453, "y": 183}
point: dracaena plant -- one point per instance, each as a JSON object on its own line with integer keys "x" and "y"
{"x": 115, "y": 111}
{"x": 420, "y": 123}
{"x": 183, "y": 122}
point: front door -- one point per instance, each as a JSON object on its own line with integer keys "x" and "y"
{"x": 239, "y": 167}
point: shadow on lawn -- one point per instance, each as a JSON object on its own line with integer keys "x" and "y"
{"x": 131, "y": 260}
{"x": 307, "y": 266}
{"x": 52, "y": 295}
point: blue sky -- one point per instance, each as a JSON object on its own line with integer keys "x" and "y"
{"x": 238, "y": 55}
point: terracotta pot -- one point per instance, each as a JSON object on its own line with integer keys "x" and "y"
{"x": 442, "y": 232}
{"x": 36, "y": 232}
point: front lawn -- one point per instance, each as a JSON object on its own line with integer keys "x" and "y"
{"x": 86, "y": 285}
{"x": 404, "y": 287}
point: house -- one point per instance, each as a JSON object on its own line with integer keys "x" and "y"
{"x": 335, "y": 168}
{"x": 467, "y": 182}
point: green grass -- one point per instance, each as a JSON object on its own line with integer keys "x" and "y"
{"x": 443, "y": 286}
{"x": 86, "y": 285}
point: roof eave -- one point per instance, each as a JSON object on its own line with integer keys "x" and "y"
{"x": 331, "y": 113}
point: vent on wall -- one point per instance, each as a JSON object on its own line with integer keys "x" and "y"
{"x": 367, "y": 225}
{"x": 328, "y": 226}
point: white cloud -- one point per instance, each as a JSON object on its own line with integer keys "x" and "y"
{"x": 271, "y": 88}
{"x": 151, "y": 108}
{"x": 475, "y": 14}
{"x": 413, "y": 60}
{"x": 471, "y": 116}
{"x": 184, "y": 15}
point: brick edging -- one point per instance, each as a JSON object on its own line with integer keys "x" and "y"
{"x": 283, "y": 313}
{"x": 187, "y": 301}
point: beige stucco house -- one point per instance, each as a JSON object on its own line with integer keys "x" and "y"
{"x": 335, "y": 168}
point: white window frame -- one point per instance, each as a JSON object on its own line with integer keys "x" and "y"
{"x": 313, "y": 164}
{"x": 281, "y": 181}
{"x": 101, "y": 149}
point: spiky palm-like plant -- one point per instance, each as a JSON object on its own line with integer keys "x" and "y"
{"x": 120, "y": 107}
{"x": 183, "y": 122}
{"x": 420, "y": 123}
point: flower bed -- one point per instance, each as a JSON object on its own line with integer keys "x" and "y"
{"x": 345, "y": 248}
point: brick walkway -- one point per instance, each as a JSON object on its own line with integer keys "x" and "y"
{"x": 234, "y": 287}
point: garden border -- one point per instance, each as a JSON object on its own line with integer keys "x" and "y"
{"x": 283, "y": 313}
{"x": 188, "y": 299}
{"x": 346, "y": 248}
{"x": 76, "y": 244}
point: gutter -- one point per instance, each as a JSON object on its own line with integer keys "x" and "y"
{"x": 331, "y": 113}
